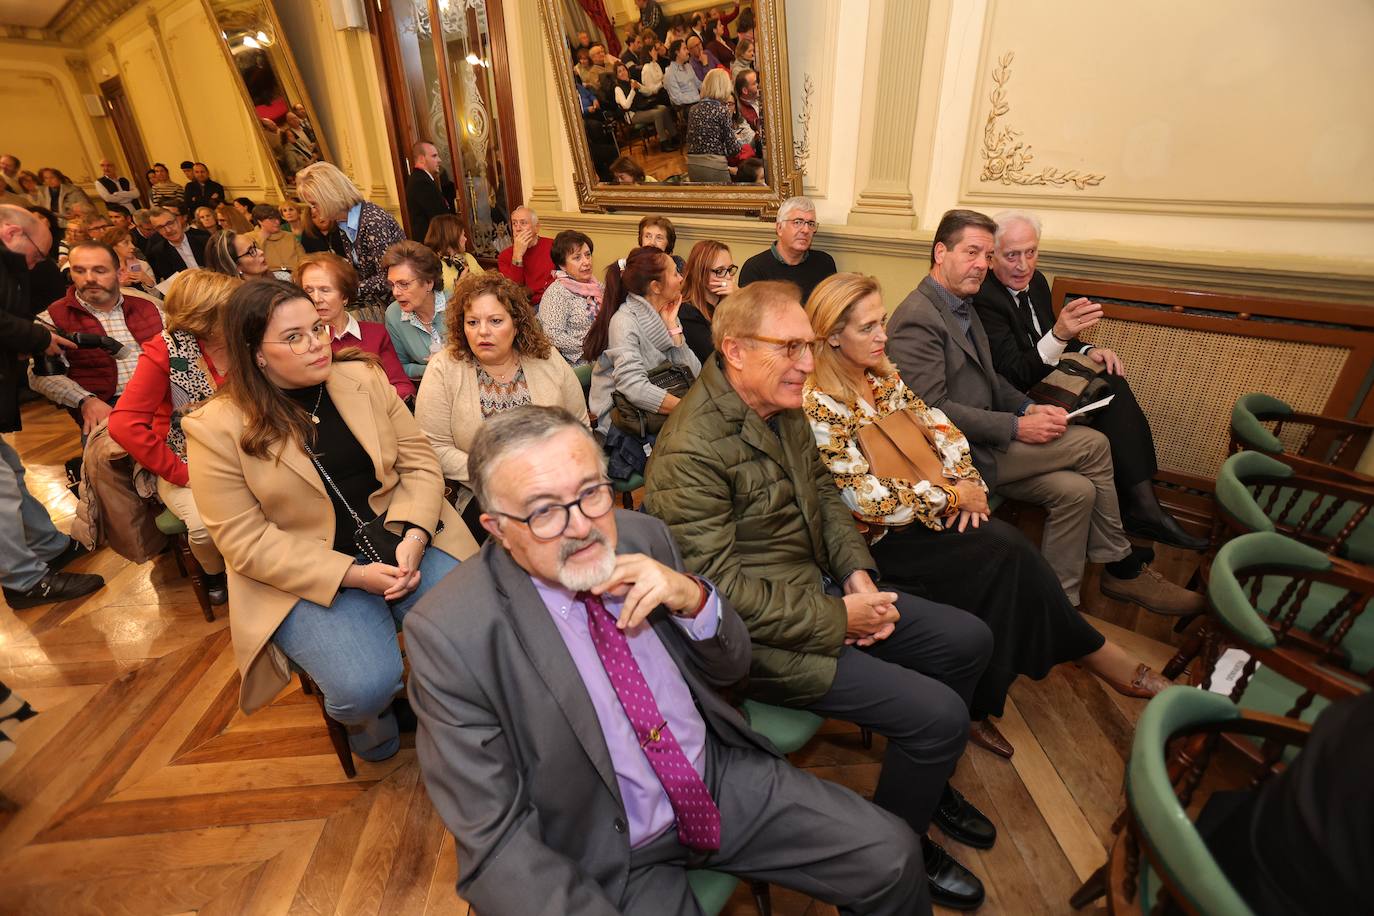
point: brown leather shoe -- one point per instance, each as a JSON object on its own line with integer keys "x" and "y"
{"x": 985, "y": 735}
{"x": 1146, "y": 683}
{"x": 1153, "y": 592}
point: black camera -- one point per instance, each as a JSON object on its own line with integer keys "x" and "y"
{"x": 45, "y": 364}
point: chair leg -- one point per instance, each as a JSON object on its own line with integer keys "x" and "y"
{"x": 1095, "y": 888}
{"x": 627, "y": 499}
{"x": 338, "y": 735}
{"x": 866, "y": 738}
{"x": 191, "y": 567}
{"x": 1186, "y": 652}
{"x": 762, "y": 900}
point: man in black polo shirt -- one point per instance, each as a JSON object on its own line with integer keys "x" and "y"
{"x": 791, "y": 257}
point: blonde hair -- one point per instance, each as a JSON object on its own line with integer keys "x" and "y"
{"x": 324, "y": 187}
{"x": 195, "y": 299}
{"x": 716, "y": 85}
{"x": 829, "y": 309}
{"x": 741, "y": 313}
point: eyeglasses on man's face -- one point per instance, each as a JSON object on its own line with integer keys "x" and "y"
{"x": 549, "y": 522}
{"x": 164, "y": 227}
{"x": 792, "y": 349}
{"x": 300, "y": 341}
{"x": 799, "y": 224}
{"x": 720, "y": 273}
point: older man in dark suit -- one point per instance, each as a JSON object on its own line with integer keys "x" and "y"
{"x": 177, "y": 248}
{"x": 1027, "y": 339}
{"x": 570, "y": 732}
{"x": 1025, "y": 450}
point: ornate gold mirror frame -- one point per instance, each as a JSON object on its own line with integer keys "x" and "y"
{"x": 597, "y": 196}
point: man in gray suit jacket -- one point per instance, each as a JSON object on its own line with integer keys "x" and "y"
{"x": 565, "y": 680}
{"x": 1024, "y": 450}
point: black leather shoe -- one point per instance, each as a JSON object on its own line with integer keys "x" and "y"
{"x": 951, "y": 884}
{"x": 73, "y": 551}
{"x": 217, "y": 589}
{"x": 962, "y": 822}
{"x": 55, "y": 586}
{"x": 1167, "y": 531}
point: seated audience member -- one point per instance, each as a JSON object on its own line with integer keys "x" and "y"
{"x": 743, "y": 132}
{"x": 415, "y": 318}
{"x": 791, "y": 257}
{"x": 680, "y": 79}
{"x": 638, "y": 109}
{"x": 632, "y": 54}
{"x": 135, "y": 274}
{"x": 118, "y": 192}
{"x": 319, "y": 235}
{"x": 202, "y": 190}
{"x": 658, "y": 232}
{"x": 279, "y": 245}
{"x": 95, "y": 305}
{"x": 744, "y": 58}
{"x": 529, "y": 259}
{"x": 636, "y": 331}
{"x": 626, "y": 171}
{"x": 736, "y": 476}
{"x": 164, "y": 191}
{"x": 593, "y": 64}
{"x": 227, "y": 216}
{"x": 747, "y": 103}
{"x": 930, "y": 532}
{"x": 701, "y": 60}
{"x": 32, "y": 189}
{"x": 717, "y": 42}
{"x": 1023, "y": 450}
{"x": 497, "y": 358}
{"x": 204, "y": 218}
{"x": 572, "y": 301}
{"x": 601, "y": 792}
{"x": 651, "y": 71}
{"x": 745, "y": 29}
{"x": 143, "y": 234}
{"x": 235, "y": 255}
{"x": 424, "y": 198}
{"x": 711, "y": 139}
{"x": 178, "y": 370}
{"x": 80, "y": 228}
{"x": 330, "y": 283}
{"x": 448, "y": 240}
{"x": 709, "y": 278}
{"x": 244, "y": 205}
{"x": 288, "y": 464}
{"x": 364, "y": 231}
{"x": 60, "y": 194}
{"x": 176, "y": 248}
{"x": 9, "y": 173}
{"x": 596, "y": 124}
{"x": 751, "y": 171}
{"x": 293, "y": 216}
{"x": 678, "y": 31}
{"x": 1026, "y": 340}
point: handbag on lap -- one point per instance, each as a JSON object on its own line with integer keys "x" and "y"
{"x": 900, "y": 446}
{"x": 672, "y": 378}
{"x": 1076, "y": 381}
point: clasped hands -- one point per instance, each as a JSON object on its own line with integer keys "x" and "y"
{"x": 392, "y": 582}
{"x": 872, "y": 615}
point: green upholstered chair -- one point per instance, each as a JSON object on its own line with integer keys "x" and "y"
{"x": 711, "y": 888}
{"x": 788, "y": 729}
{"x": 626, "y": 488}
{"x": 175, "y": 528}
{"x": 1319, "y": 445}
{"x": 584, "y": 375}
{"x": 1176, "y": 864}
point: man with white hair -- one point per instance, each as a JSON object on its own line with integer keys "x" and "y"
{"x": 570, "y": 730}
{"x": 529, "y": 259}
{"x": 1027, "y": 340}
{"x": 791, "y": 257}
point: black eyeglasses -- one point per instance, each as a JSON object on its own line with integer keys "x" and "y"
{"x": 549, "y": 522}
{"x": 723, "y": 272}
{"x": 252, "y": 249}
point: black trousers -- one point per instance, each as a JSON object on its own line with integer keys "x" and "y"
{"x": 784, "y": 826}
{"x": 913, "y": 688}
{"x": 1127, "y": 429}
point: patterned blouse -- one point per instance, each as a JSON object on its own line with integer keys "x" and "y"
{"x": 877, "y": 500}
{"x": 496, "y": 397}
{"x": 709, "y": 131}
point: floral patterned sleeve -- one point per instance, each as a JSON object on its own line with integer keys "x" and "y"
{"x": 878, "y": 500}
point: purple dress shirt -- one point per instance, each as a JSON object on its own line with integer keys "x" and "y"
{"x": 647, "y": 808}
{"x": 702, "y": 69}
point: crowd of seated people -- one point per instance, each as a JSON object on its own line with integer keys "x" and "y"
{"x": 332, "y": 470}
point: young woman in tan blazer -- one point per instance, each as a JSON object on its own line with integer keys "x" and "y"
{"x": 300, "y": 586}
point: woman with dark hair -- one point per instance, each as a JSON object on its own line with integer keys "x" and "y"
{"x": 717, "y": 41}
{"x": 709, "y": 278}
{"x": 318, "y": 234}
{"x": 658, "y": 232}
{"x": 227, "y": 216}
{"x": 134, "y": 273}
{"x": 415, "y": 318}
{"x": 640, "y": 108}
{"x": 326, "y": 501}
{"x": 626, "y": 171}
{"x": 447, "y": 238}
{"x": 60, "y": 195}
{"x": 574, "y": 298}
{"x": 636, "y": 331}
{"x": 235, "y": 255}
{"x": 497, "y": 357}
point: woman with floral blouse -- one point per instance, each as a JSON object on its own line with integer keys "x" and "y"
{"x": 935, "y": 537}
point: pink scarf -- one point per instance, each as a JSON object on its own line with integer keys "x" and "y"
{"x": 592, "y": 290}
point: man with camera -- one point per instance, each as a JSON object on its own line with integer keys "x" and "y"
{"x": 32, "y": 550}
{"x": 117, "y": 324}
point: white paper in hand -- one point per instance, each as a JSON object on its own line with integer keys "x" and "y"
{"x": 1095, "y": 405}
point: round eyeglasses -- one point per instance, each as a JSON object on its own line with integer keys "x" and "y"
{"x": 299, "y": 341}
{"x": 549, "y": 522}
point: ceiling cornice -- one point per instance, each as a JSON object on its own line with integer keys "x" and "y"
{"x": 75, "y": 23}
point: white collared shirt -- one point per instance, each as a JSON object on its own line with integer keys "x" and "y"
{"x": 1049, "y": 347}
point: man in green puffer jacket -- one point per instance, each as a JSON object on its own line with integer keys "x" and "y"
{"x": 736, "y": 476}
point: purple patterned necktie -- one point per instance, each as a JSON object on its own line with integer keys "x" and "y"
{"x": 698, "y": 819}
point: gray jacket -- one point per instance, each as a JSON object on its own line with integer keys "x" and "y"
{"x": 937, "y": 361}
{"x": 637, "y": 341}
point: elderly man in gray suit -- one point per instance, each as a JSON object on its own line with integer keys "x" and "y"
{"x": 1025, "y": 450}
{"x": 570, "y": 733}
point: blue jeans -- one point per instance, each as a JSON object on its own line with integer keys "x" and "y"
{"x": 349, "y": 649}
{"x": 28, "y": 539}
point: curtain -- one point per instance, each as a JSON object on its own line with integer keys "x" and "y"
{"x": 596, "y": 10}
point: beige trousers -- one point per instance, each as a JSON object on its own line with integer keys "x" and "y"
{"x": 183, "y": 506}
{"x": 1071, "y": 478}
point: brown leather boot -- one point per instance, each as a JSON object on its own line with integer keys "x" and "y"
{"x": 1153, "y": 592}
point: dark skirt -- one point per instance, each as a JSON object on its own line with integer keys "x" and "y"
{"x": 994, "y": 573}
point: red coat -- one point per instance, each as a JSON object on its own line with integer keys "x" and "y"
{"x": 377, "y": 341}
{"x": 536, "y": 271}
{"x": 91, "y": 368}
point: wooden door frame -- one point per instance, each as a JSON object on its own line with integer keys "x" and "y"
{"x": 129, "y": 137}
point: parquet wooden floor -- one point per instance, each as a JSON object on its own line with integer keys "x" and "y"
{"x": 140, "y": 788}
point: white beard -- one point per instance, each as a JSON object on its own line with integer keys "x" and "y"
{"x": 585, "y": 577}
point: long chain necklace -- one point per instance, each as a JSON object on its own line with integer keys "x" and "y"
{"x": 318, "y": 398}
